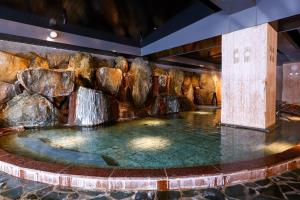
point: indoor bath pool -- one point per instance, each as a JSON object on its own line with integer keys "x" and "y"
{"x": 185, "y": 139}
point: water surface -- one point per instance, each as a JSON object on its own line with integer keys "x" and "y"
{"x": 185, "y": 139}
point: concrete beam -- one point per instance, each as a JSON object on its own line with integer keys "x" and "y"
{"x": 40, "y": 33}
{"x": 221, "y": 22}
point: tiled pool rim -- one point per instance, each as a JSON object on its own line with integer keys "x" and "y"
{"x": 147, "y": 179}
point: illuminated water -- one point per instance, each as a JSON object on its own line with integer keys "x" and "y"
{"x": 185, "y": 139}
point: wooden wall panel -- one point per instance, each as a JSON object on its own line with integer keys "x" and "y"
{"x": 249, "y": 77}
{"x": 291, "y": 82}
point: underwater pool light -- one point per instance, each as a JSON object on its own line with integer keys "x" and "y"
{"x": 152, "y": 122}
{"x": 278, "y": 147}
{"x": 294, "y": 118}
{"x": 149, "y": 143}
{"x": 68, "y": 141}
{"x": 203, "y": 113}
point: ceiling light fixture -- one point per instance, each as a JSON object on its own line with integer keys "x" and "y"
{"x": 53, "y": 34}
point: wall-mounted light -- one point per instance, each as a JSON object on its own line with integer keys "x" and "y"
{"x": 294, "y": 70}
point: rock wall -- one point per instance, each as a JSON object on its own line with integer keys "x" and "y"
{"x": 59, "y": 87}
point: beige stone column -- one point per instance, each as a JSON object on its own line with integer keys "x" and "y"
{"x": 291, "y": 83}
{"x": 249, "y": 77}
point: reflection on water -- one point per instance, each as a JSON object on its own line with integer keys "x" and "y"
{"x": 237, "y": 143}
{"x": 185, "y": 139}
{"x": 149, "y": 143}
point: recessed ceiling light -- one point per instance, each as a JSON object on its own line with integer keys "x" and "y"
{"x": 53, "y": 34}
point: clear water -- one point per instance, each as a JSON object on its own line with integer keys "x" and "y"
{"x": 185, "y": 139}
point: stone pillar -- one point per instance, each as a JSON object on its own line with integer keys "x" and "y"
{"x": 291, "y": 82}
{"x": 249, "y": 77}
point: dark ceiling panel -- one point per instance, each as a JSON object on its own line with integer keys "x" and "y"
{"x": 211, "y": 55}
{"x": 125, "y": 18}
{"x": 295, "y": 36}
{"x": 231, "y": 6}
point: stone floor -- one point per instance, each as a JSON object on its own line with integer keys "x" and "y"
{"x": 285, "y": 186}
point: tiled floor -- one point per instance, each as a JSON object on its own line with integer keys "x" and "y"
{"x": 286, "y": 186}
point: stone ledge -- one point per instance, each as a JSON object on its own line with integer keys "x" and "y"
{"x": 149, "y": 179}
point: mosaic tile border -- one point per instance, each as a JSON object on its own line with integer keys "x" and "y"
{"x": 148, "y": 179}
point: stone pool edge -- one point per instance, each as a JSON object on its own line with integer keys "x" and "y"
{"x": 148, "y": 179}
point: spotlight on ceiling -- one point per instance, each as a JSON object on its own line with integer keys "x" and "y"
{"x": 53, "y": 34}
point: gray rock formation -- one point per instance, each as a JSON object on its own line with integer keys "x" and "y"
{"x": 177, "y": 78}
{"x": 165, "y": 105}
{"x": 121, "y": 63}
{"x": 50, "y": 83}
{"x": 8, "y": 91}
{"x": 28, "y": 111}
{"x": 142, "y": 81}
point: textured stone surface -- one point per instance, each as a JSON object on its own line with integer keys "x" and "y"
{"x": 121, "y": 63}
{"x": 195, "y": 80}
{"x": 8, "y": 91}
{"x": 165, "y": 105}
{"x": 204, "y": 94}
{"x": 51, "y": 83}
{"x": 28, "y": 111}
{"x": 109, "y": 79}
{"x": 58, "y": 60}
{"x": 36, "y": 60}
{"x": 187, "y": 88}
{"x": 13, "y": 188}
{"x": 176, "y": 81}
{"x": 10, "y": 65}
{"x": 156, "y": 71}
{"x": 83, "y": 67}
{"x": 91, "y": 107}
{"x": 142, "y": 81}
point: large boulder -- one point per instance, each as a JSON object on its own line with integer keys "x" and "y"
{"x": 187, "y": 88}
{"x": 8, "y": 91}
{"x": 156, "y": 71}
{"x": 50, "y": 83}
{"x": 142, "y": 81}
{"x": 176, "y": 80}
{"x": 165, "y": 105}
{"x": 109, "y": 79}
{"x": 10, "y": 65}
{"x": 160, "y": 85}
{"x": 36, "y": 61}
{"x": 125, "y": 89}
{"x": 28, "y": 111}
{"x": 204, "y": 94}
{"x": 91, "y": 107}
{"x": 195, "y": 80}
{"x": 121, "y": 63}
{"x": 58, "y": 60}
{"x": 83, "y": 67}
